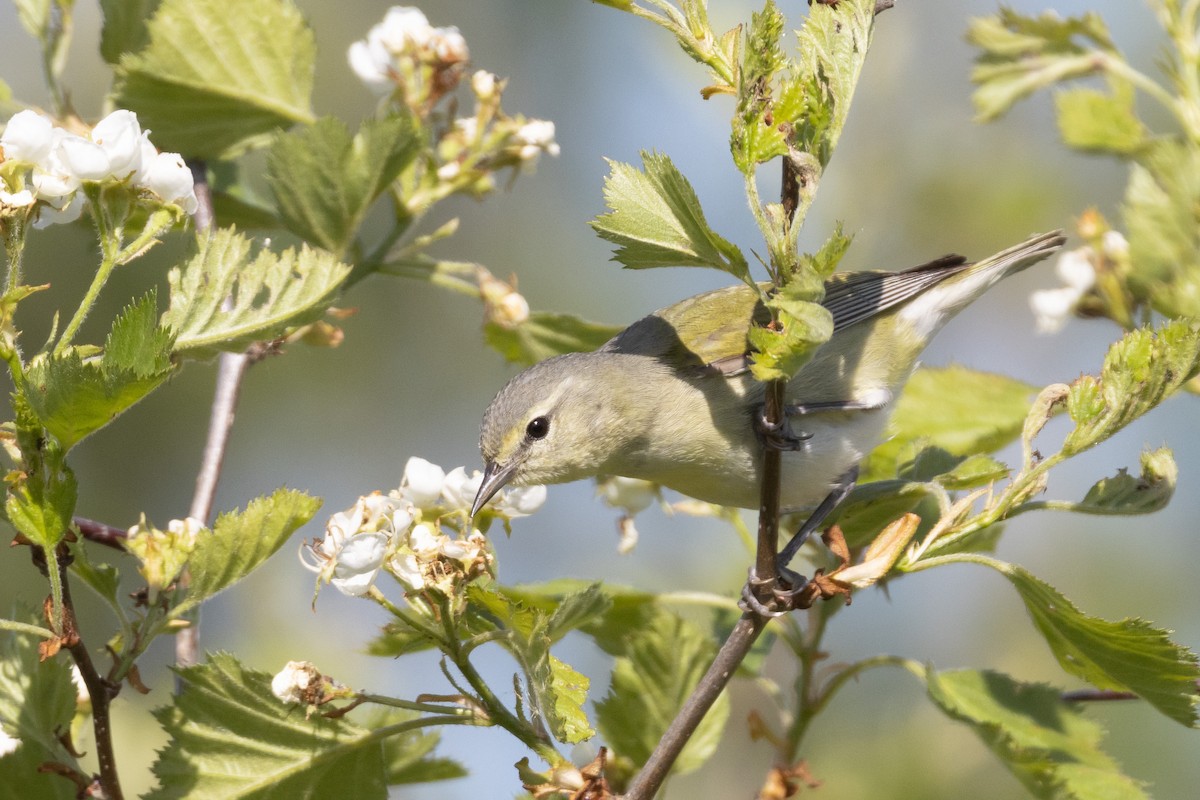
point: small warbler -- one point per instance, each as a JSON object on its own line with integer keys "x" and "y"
{"x": 671, "y": 399}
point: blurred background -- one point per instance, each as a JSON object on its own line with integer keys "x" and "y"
{"x": 914, "y": 178}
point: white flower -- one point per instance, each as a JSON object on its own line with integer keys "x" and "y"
{"x": 372, "y": 64}
{"x": 627, "y": 535}
{"x": 171, "y": 179}
{"x": 120, "y": 137}
{"x": 358, "y": 562}
{"x": 186, "y": 528}
{"x": 483, "y": 83}
{"x": 402, "y": 27}
{"x": 521, "y": 501}
{"x": 403, "y": 517}
{"x": 1053, "y": 306}
{"x": 1114, "y": 244}
{"x": 8, "y": 742}
{"x": 631, "y": 494}
{"x": 28, "y": 136}
{"x": 48, "y": 214}
{"x": 425, "y": 541}
{"x": 460, "y": 489}
{"x": 21, "y": 199}
{"x": 292, "y": 683}
{"x": 408, "y": 570}
{"x": 535, "y": 137}
{"x": 448, "y": 45}
{"x": 467, "y": 128}
{"x": 450, "y": 171}
{"x": 422, "y": 482}
{"x": 51, "y": 177}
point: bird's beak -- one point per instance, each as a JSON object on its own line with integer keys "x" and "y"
{"x": 495, "y": 476}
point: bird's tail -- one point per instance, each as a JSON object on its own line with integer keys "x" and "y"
{"x": 935, "y": 306}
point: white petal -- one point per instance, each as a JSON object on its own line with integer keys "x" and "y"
{"x": 407, "y": 570}
{"x": 120, "y": 137}
{"x": 460, "y": 489}
{"x": 424, "y": 541}
{"x": 521, "y": 501}
{"x": 401, "y": 25}
{"x": 1052, "y": 307}
{"x": 171, "y": 179}
{"x": 28, "y": 136}
{"x": 1076, "y": 269}
{"x": 631, "y": 494}
{"x": 49, "y": 215}
{"x": 369, "y": 68}
{"x": 84, "y": 159}
{"x": 19, "y": 199}
{"x": 422, "y": 483}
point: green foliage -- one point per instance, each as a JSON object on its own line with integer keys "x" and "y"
{"x": 958, "y": 411}
{"x": 271, "y": 294}
{"x": 1162, "y": 214}
{"x": 220, "y": 721}
{"x": 217, "y": 77}
{"x": 240, "y": 541}
{"x": 1090, "y": 120}
{"x": 1047, "y": 744}
{"x": 1020, "y": 55}
{"x": 1125, "y": 494}
{"x": 1130, "y": 655}
{"x": 1139, "y": 372}
{"x": 124, "y": 29}
{"x": 37, "y": 699}
{"x": 546, "y": 334}
{"x": 324, "y": 181}
{"x": 41, "y": 505}
{"x": 656, "y": 221}
{"x": 74, "y": 397}
{"x": 660, "y": 664}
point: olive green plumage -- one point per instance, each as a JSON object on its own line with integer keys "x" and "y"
{"x": 670, "y": 398}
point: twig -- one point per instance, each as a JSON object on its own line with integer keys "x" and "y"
{"x": 100, "y": 533}
{"x": 731, "y": 654}
{"x": 751, "y": 625}
{"x": 1096, "y": 696}
{"x": 231, "y": 367}
{"x": 100, "y": 691}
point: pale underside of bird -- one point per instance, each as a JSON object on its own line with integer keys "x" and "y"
{"x": 671, "y": 400}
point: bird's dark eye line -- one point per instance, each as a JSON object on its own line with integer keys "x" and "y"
{"x": 538, "y": 427}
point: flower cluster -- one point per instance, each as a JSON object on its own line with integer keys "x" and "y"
{"x": 631, "y": 495}
{"x": 404, "y": 533}
{"x": 419, "y": 65}
{"x": 1078, "y": 269}
{"x": 43, "y": 164}
{"x": 162, "y": 554}
{"x": 405, "y": 53}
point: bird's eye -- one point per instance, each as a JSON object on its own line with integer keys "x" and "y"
{"x": 537, "y": 428}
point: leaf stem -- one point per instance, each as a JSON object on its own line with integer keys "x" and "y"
{"x": 107, "y": 264}
{"x": 25, "y": 627}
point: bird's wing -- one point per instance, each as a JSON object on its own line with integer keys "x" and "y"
{"x": 685, "y": 335}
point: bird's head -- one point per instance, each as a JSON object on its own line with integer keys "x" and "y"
{"x": 554, "y": 422}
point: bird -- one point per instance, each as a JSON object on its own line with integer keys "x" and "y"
{"x": 671, "y": 398}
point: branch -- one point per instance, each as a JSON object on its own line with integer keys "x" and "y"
{"x": 101, "y": 691}
{"x": 231, "y": 368}
{"x": 100, "y": 533}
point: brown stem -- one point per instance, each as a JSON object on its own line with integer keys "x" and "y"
{"x": 748, "y": 628}
{"x": 731, "y": 654}
{"x": 101, "y": 692}
{"x": 100, "y": 533}
{"x": 1095, "y": 696}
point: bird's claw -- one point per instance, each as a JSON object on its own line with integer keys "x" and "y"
{"x": 785, "y": 591}
{"x": 779, "y": 436}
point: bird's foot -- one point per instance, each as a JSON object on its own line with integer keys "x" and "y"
{"x": 779, "y": 436}
{"x": 785, "y": 593}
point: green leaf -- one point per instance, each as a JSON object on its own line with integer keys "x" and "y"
{"x": 37, "y": 701}
{"x": 41, "y": 506}
{"x": 104, "y": 579}
{"x": 74, "y": 398}
{"x": 1020, "y": 55}
{"x": 577, "y": 610}
{"x": 1097, "y": 122}
{"x": 324, "y": 181}
{"x": 664, "y": 662}
{"x": 959, "y": 410}
{"x": 1125, "y": 494}
{"x": 271, "y": 294}
{"x": 1140, "y": 371}
{"x": 833, "y": 47}
{"x": 656, "y": 220}
{"x": 229, "y": 737}
{"x": 124, "y": 30}
{"x": 218, "y": 77}
{"x": 873, "y": 506}
{"x": 397, "y": 639}
{"x": 1047, "y": 744}
{"x": 547, "y": 334}
{"x": 1162, "y": 215}
{"x": 1130, "y": 655}
{"x": 242, "y": 540}
{"x": 627, "y": 609}
{"x": 568, "y": 690}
